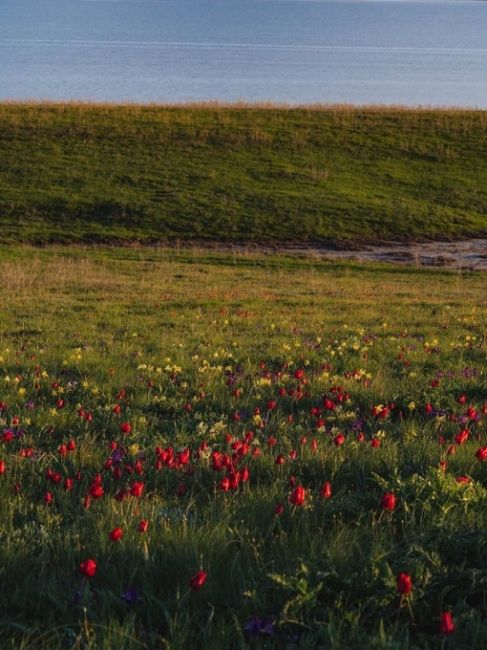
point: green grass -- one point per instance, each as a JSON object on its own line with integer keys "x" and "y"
{"x": 73, "y": 173}
{"x": 224, "y": 334}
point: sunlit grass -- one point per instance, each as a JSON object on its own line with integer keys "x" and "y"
{"x": 240, "y": 173}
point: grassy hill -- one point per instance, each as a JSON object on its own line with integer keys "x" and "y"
{"x": 260, "y": 174}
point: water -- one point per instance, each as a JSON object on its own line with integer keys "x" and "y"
{"x": 291, "y": 51}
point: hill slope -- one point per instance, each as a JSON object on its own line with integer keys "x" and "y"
{"x": 337, "y": 174}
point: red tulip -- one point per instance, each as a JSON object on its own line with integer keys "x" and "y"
{"x": 225, "y": 484}
{"x": 339, "y": 439}
{"x": 298, "y": 496}
{"x": 471, "y": 413}
{"x": 447, "y": 626}
{"x": 279, "y": 509}
{"x": 143, "y": 525}
{"x": 326, "y": 490}
{"x": 48, "y": 497}
{"x": 137, "y": 489}
{"x": 54, "y": 477}
{"x": 96, "y": 491}
{"x": 198, "y": 580}
{"x": 181, "y": 489}
{"x": 184, "y": 456}
{"x": 481, "y": 453}
{"x": 388, "y": 501}
{"x": 116, "y": 535}
{"x": 234, "y": 478}
{"x": 88, "y": 568}
{"x": 122, "y": 494}
{"x": 2, "y": 467}
{"x": 8, "y": 435}
{"x": 404, "y": 583}
{"x": 462, "y": 437}
{"x": 126, "y": 427}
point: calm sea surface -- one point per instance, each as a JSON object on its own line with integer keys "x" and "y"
{"x": 255, "y": 50}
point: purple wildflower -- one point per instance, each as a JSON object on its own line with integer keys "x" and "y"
{"x": 259, "y": 627}
{"x": 131, "y": 596}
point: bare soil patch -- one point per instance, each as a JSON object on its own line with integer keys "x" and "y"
{"x": 469, "y": 254}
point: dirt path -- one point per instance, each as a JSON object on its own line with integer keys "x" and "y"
{"x": 468, "y": 254}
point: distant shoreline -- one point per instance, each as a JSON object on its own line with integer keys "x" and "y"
{"x": 243, "y": 105}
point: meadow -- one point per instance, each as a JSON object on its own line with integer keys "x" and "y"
{"x": 337, "y": 175}
{"x": 200, "y": 450}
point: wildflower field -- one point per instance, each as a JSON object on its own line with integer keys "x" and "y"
{"x": 211, "y": 451}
